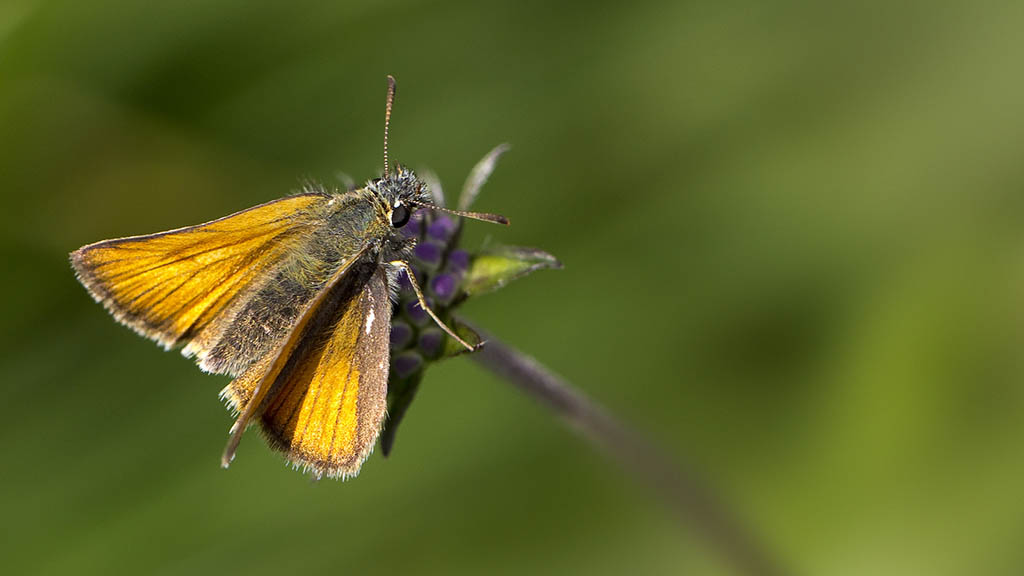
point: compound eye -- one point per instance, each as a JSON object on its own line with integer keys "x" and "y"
{"x": 400, "y": 215}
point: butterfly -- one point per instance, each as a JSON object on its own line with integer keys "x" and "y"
{"x": 293, "y": 298}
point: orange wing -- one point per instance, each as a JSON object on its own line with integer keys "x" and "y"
{"x": 328, "y": 400}
{"x": 170, "y": 286}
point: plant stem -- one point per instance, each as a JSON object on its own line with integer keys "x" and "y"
{"x": 691, "y": 500}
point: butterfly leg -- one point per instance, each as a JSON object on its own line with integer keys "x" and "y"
{"x": 423, "y": 304}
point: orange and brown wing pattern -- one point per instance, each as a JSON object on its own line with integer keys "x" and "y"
{"x": 169, "y": 286}
{"x": 328, "y": 402}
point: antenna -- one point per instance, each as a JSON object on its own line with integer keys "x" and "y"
{"x": 484, "y": 216}
{"x": 387, "y": 118}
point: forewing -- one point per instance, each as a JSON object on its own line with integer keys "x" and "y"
{"x": 170, "y": 286}
{"x": 327, "y": 404}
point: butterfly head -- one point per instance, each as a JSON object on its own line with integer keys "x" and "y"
{"x": 400, "y": 193}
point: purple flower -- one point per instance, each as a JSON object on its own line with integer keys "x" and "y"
{"x": 406, "y": 363}
{"x": 458, "y": 260}
{"x": 431, "y": 342}
{"x": 418, "y": 315}
{"x": 401, "y": 335}
{"x": 446, "y": 273}
{"x": 441, "y": 228}
{"x": 443, "y": 287}
{"x": 429, "y": 254}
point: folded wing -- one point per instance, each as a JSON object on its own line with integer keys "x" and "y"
{"x": 325, "y": 406}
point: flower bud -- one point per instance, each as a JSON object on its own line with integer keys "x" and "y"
{"x": 443, "y": 287}
{"x": 431, "y": 343}
{"x": 406, "y": 364}
{"x": 428, "y": 254}
{"x": 418, "y": 315}
{"x": 441, "y": 228}
{"x": 401, "y": 335}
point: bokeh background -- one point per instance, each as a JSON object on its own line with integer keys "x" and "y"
{"x": 793, "y": 236}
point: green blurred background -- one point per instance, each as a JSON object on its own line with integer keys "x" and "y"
{"x": 793, "y": 237}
